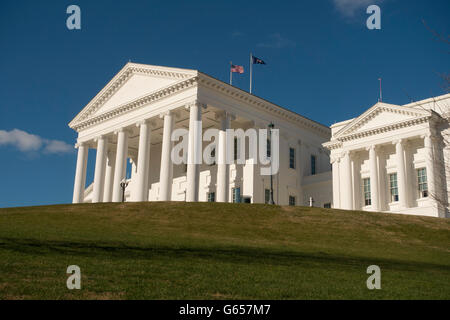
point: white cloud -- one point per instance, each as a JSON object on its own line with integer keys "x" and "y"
{"x": 56, "y": 146}
{"x": 20, "y": 139}
{"x": 27, "y": 142}
{"x": 348, "y": 8}
{"x": 277, "y": 41}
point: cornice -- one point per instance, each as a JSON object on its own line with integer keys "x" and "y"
{"x": 262, "y": 104}
{"x": 332, "y": 145}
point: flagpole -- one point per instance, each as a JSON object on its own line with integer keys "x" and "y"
{"x": 251, "y": 71}
{"x": 231, "y": 73}
{"x": 381, "y": 92}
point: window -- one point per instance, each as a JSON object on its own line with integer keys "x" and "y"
{"x": 292, "y": 158}
{"x": 268, "y": 148}
{"x": 393, "y": 187}
{"x": 185, "y": 162}
{"x": 366, "y": 189}
{"x": 236, "y": 149}
{"x": 422, "y": 182}
{"x": 266, "y": 196}
{"x": 291, "y": 200}
{"x": 212, "y": 197}
{"x": 327, "y": 205}
{"x": 213, "y": 156}
{"x": 313, "y": 164}
{"x": 236, "y": 195}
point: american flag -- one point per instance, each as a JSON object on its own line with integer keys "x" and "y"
{"x": 237, "y": 69}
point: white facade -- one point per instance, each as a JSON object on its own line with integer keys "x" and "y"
{"x": 133, "y": 117}
{"x": 394, "y": 158}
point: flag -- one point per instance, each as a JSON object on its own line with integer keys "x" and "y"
{"x": 253, "y": 60}
{"x": 257, "y": 60}
{"x": 237, "y": 69}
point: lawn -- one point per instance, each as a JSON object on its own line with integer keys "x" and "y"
{"x": 220, "y": 251}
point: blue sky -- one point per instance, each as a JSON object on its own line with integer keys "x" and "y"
{"x": 323, "y": 63}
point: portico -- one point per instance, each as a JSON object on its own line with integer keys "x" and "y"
{"x": 135, "y": 122}
{"x": 386, "y": 160}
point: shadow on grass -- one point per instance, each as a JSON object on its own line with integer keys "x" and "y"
{"x": 231, "y": 254}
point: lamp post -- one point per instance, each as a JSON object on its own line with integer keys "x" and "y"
{"x": 123, "y": 185}
{"x": 271, "y": 126}
{"x": 311, "y": 202}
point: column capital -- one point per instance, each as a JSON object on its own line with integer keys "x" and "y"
{"x": 373, "y": 147}
{"x": 426, "y": 135}
{"x": 431, "y": 140}
{"x": 149, "y": 121}
{"x": 127, "y": 130}
{"x": 196, "y": 103}
{"x": 398, "y": 141}
{"x": 335, "y": 159}
{"x": 173, "y": 112}
{"x": 166, "y": 113}
{"x": 100, "y": 137}
{"x": 141, "y": 122}
{"x": 222, "y": 114}
{"x": 81, "y": 144}
{"x": 346, "y": 153}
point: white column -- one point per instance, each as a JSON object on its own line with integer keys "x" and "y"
{"x": 121, "y": 163}
{"x": 100, "y": 165}
{"x": 335, "y": 171}
{"x": 194, "y": 152}
{"x": 143, "y": 161}
{"x": 166, "y": 173}
{"x": 429, "y": 156}
{"x": 109, "y": 176}
{"x": 80, "y": 173}
{"x": 133, "y": 161}
{"x": 222, "y": 166}
{"x": 346, "y": 176}
{"x": 373, "y": 167}
{"x": 401, "y": 173}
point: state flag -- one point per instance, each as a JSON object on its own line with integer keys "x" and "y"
{"x": 257, "y": 60}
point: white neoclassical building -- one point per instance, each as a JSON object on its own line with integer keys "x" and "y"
{"x": 394, "y": 158}
{"x": 130, "y": 123}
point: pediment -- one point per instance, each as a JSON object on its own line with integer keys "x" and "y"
{"x": 131, "y": 83}
{"x": 136, "y": 86}
{"x": 379, "y": 116}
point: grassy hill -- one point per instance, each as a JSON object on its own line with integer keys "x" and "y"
{"x": 220, "y": 251}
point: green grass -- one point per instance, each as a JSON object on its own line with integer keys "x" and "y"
{"x": 220, "y": 251}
